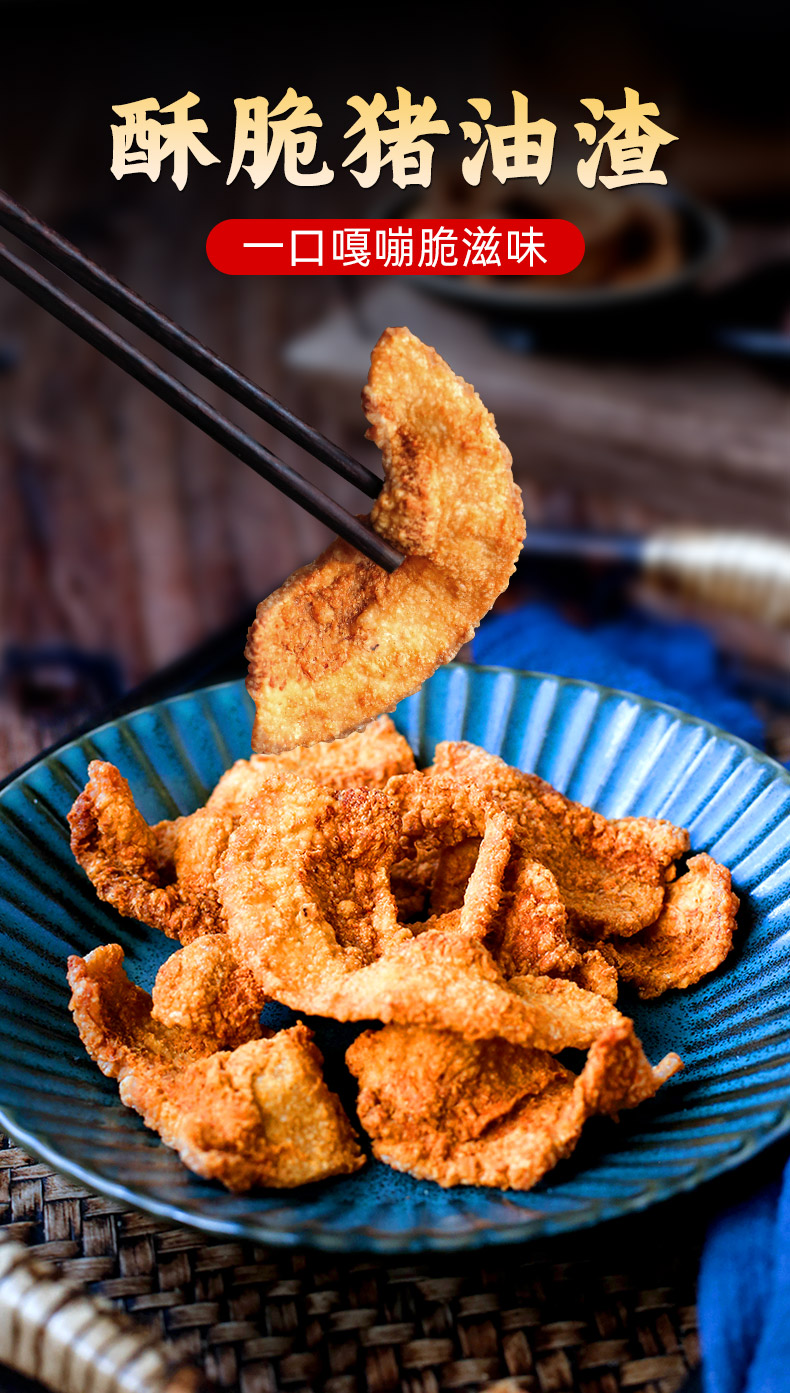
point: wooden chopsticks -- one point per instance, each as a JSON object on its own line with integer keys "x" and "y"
{"x": 112, "y": 293}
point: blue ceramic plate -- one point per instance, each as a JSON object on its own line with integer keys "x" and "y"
{"x": 615, "y": 752}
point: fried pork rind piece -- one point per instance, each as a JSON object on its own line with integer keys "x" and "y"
{"x": 306, "y": 888}
{"x": 367, "y": 757}
{"x": 442, "y": 830}
{"x": 164, "y": 874}
{"x": 165, "y": 879}
{"x": 596, "y": 974}
{"x": 258, "y": 1113}
{"x": 533, "y": 935}
{"x": 612, "y": 876}
{"x": 342, "y": 640}
{"x": 204, "y": 990}
{"x": 489, "y": 1113}
{"x": 527, "y": 930}
{"x": 691, "y": 937}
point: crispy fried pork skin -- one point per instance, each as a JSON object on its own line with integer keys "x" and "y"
{"x": 256, "y": 1113}
{"x": 691, "y": 936}
{"x": 203, "y": 989}
{"x": 164, "y": 874}
{"x": 342, "y": 640}
{"x": 306, "y": 888}
{"x": 463, "y": 1112}
{"x": 527, "y": 928}
{"x": 531, "y": 933}
{"x": 611, "y": 876}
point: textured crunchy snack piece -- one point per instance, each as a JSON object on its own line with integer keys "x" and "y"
{"x": 255, "y": 1114}
{"x": 164, "y": 874}
{"x": 531, "y": 933}
{"x": 527, "y": 925}
{"x": 489, "y": 1113}
{"x": 165, "y": 880}
{"x": 368, "y": 758}
{"x": 691, "y": 936}
{"x": 448, "y": 835}
{"x": 612, "y": 876}
{"x": 596, "y": 974}
{"x": 204, "y": 990}
{"x": 342, "y": 640}
{"x": 306, "y": 888}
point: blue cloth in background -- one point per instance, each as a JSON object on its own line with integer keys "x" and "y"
{"x": 673, "y": 663}
{"x": 744, "y": 1295}
{"x": 744, "y": 1286}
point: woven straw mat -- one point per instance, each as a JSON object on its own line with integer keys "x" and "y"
{"x": 609, "y": 1309}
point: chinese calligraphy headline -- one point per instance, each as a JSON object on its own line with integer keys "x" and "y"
{"x": 400, "y": 137}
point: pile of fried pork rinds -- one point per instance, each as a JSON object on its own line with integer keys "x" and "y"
{"x": 483, "y": 918}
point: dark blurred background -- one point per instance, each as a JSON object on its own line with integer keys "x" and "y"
{"x": 651, "y": 391}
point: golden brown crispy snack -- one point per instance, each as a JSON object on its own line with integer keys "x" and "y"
{"x": 530, "y": 934}
{"x": 305, "y": 886}
{"x": 527, "y": 928}
{"x": 366, "y": 758}
{"x": 447, "y": 835}
{"x": 691, "y": 937}
{"x": 611, "y": 875}
{"x": 342, "y": 640}
{"x": 489, "y": 1113}
{"x": 596, "y": 974}
{"x": 164, "y": 874}
{"x": 257, "y": 1114}
{"x": 119, "y": 853}
{"x": 204, "y": 990}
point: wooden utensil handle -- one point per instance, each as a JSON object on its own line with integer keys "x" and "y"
{"x": 742, "y": 572}
{"x": 53, "y": 1331}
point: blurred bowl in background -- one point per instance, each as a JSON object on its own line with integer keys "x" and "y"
{"x": 647, "y": 252}
{"x": 754, "y": 317}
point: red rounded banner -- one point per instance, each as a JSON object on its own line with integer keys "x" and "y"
{"x": 395, "y": 247}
